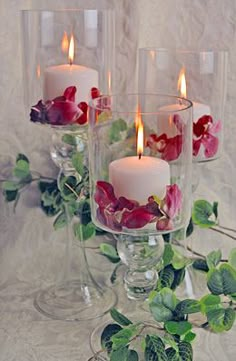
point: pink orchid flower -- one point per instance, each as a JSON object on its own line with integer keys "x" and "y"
{"x": 203, "y": 132}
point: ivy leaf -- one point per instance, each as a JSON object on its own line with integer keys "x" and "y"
{"x": 190, "y": 336}
{"x": 69, "y": 139}
{"x": 222, "y": 280}
{"x": 61, "y": 220}
{"x": 120, "y": 354}
{"x": 179, "y": 277}
{"x": 210, "y": 302}
{"x": 166, "y": 278}
{"x": 201, "y": 213}
{"x": 185, "y": 351}
{"x": 119, "y": 317}
{"x": 213, "y": 259}
{"x": 221, "y": 319}
{"x": 163, "y": 304}
{"x": 200, "y": 264}
{"x": 115, "y": 131}
{"x": 21, "y": 169}
{"x": 215, "y": 209}
{"x": 132, "y": 356}
{"x": 187, "y": 307}
{"x": 77, "y": 161}
{"x": 68, "y": 188}
{"x": 110, "y": 252}
{"x": 84, "y": 232}
{"x": 155, "y": 349}
{"x": 232, "y": 258}
{"x": 107, "y": 334}
{"x": 178, "y": 328}
{"x": 122, "y": 338}
{"x": 179, "y": 261}
{"x": 10, "y": 185}
{"x": 172, "y": 354}
{"x": 167, "y": 255}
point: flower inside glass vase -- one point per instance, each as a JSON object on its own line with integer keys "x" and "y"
{"x": 139, "y": 192}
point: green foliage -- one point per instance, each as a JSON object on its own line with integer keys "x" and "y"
{"x": 232, "y": 258}
{"x": 222, "y": 280}
{"x": 163, "y": 304}
{"x": 84, "y": 232}
{"x": 204, "y": 214}
{"x": 107, "y": 334}
{"x": 213, "y": 259}
{"x": 77, "y": 161}
{"x": 221, "y": 319}
{"x": 109, "y": 252}
{"x": 119, "y": 318}
{"x": 115, "y": 133}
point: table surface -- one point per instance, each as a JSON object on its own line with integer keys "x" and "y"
{"x": 30, "y": 258}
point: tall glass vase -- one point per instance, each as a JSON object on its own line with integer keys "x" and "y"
{"x": 57, "y": 91}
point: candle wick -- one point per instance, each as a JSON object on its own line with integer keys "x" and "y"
{"x": 140, "y": 155}
{"x": 70, "y": 62}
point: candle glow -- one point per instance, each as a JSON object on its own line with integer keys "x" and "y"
{"x": 71, "y": 50}
{"x": 181, "y": 86}
{"x": 65, "y": 43}
{"x": 140, "y": 136}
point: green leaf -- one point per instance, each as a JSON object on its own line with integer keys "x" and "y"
{"x": 185, "y": 351}
{"x": 69, "y": 139}
{"x": 122, "y": 338}
{"x": 172, "y": 354}
{"x": 187, "y": 307}
{"x": 68, "y": 188}
{"x": 178, "y": 328}
{"x": 106, "y": 335}
{"x": 221, "y": 319}
{"x": 114, "y": 273}
{"x": 232, "y": 258}
{"x": 110, "y": 252}
{"x": 179, "y": 277}
{"x": 167, "y": 255}
{"x": 163, "y": 304}
{"x": 201, "y": 213}
{"x": 77, "y": 161}
{"x": 190, "y": 336}
{"x": 10, "y": 196}
{"x": 166, "y": 278}
{"x": 213, "y": 259}
{"x": 115, "y": 131}
{"x": 21, "y": 156}
{"x": 200, "y": 265}
{"x": 48, "y": 186}
{"x": 215, "y": 209}
{"x": 21, "y": 169}
{"x": 84, "y": 232}
{"x": 155, "y": 349}
{"x": 119, "y": 317}
{"x": 132, "y": 356}
{"x": 210, "y": 302}
{"x": 120, "y": 354}
{"x": 10, "y": 185}
{"x": 61, "y": 221}
{"x": 179, "y": 261}
{"x": 190, "y": 228}
{"x": 222, "y": 281}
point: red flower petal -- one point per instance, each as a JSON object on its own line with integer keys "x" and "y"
{"x": 173, "y": 148}
{"x": 126, "y": 203}
{"x": 62, "y": 113}
{"x": 210, "y": 143}
{"x": 104, "y": 195}
{"x": 84, "y": 117}
{"x": 164, "y": 224}
{"x": 201, "y": 126}
{"x": 215, "y": 127}
{"x": 137, "y": 218}
{"x": 173, "y": 200}
{"x": 69, "y": 93}
{"x": 157, "y": 144}
{"x": 178, "y": 122}
{"x": 95, "y": 93}
{"x": 196, "y": 146}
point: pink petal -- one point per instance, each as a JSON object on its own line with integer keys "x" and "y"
{"x": 164, "y": 224}
{"x": 137, "y": 218}
{"x": 210, "y": 143}
{"x": 215, "y": 127}
{"x": 157, "y": 144}
{"x": 95, "y": 93}
{"x": 62, "y": 113}
{"x": 69, "y": 93}
{"x": 201, "y": 126}
{"x": 196, "y": 146}
{"x": 104, "y": 195}
{"x": 173, "y": 148}
{"x": 126, "y": 203}
{"x": 83, "y": 118}
{"x": 108, "y": 219}
{"x": 173, "y": 200}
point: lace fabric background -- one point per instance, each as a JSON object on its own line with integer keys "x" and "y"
{"x": 30, "y": 251}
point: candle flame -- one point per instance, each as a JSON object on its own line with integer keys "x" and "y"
{"x": 152, "y": 54}
{"x": 182, "y": 83}
{"x": 71, "y": 50}
{"x": 65, "y": 43}
{"x": 140, "y": 136}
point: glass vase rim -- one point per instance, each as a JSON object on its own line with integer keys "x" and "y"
{"x": 53, "y": 10}
{"x": 176, "y": 97}
{"x": 183, "y": 51}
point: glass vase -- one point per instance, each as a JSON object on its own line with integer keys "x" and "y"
{"x": 201, "y": 77}
{"x": 68, "y": 58}
{"x": 140, "y": 179}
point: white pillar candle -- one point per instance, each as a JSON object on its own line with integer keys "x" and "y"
{"x": 137, "y": 179}
{"x": 165, "y": 120}
{"x": 58, "y": 78}
{"x": 200, "y": 109}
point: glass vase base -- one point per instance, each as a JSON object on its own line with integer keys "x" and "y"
{"x": 138, "y": 285}
{"x": 74, "y": 301}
